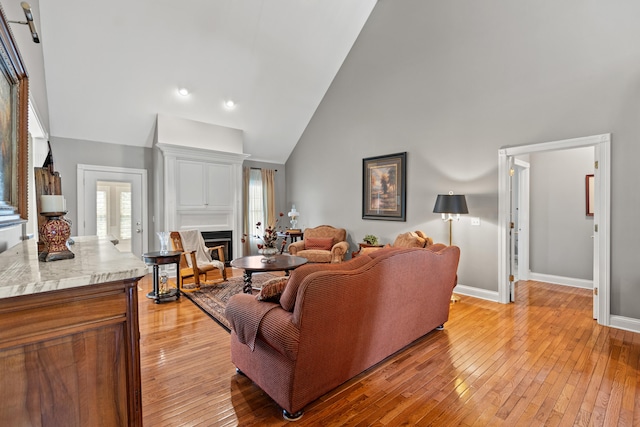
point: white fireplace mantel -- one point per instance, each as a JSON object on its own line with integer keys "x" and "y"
{"x": 199, "y": 189}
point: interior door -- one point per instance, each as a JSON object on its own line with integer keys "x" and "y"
{"x": 522, "y": 223}
{"x": 597, "y": 193}
{"x": 89, "y": 178}
{"x": 512, "y": 230}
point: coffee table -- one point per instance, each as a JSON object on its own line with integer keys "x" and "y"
{"x": 254, "y": 263}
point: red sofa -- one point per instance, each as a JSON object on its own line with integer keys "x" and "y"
{"x": 334, "y": 321}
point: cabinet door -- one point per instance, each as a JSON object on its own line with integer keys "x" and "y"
{"x": 219, "y": 184}
{"x": 191, "y": 185}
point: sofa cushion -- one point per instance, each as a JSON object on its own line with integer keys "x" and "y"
{"x": 321, "y": 243}
{"x": 272, "y": 289}
{"x": 288, "y": 297}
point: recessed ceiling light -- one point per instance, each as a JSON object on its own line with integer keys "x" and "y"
{"x": 229, "y": 104}
{"x": 183, "y": 91}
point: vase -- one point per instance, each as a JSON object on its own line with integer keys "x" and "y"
{"x": 268, "y": 254}
{"x": 164, "y": 242}
{"x": 54, "y": 234}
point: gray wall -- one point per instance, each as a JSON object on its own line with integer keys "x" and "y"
{"x": 68, "y": 153}
{"x": 450, "y": 83}
{"x": 560, "y": 232}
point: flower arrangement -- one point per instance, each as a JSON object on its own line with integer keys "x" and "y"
{"x": 270, "y": 236}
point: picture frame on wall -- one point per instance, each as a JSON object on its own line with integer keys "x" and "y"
{"x": 589, "y": 188}
{"x": 384, "y": 187}
{"x": 14, "y": 100}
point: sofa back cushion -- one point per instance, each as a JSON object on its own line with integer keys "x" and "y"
{"x": 321, "y": 243}
{"x": 288, "y": 297}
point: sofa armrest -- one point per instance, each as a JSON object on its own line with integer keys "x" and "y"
{"x": 295, "y": 247}
{"x": 244, "y": 314}
{"x": 338, "y": 251}
{"x": 279, "y": 332}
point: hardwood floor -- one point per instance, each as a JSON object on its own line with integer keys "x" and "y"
{"x": 540, "y": 361}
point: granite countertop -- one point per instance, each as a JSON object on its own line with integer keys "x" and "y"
{"x": 96, "y": 261}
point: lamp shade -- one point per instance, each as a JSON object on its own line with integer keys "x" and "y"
{"x": 451, "y": 204}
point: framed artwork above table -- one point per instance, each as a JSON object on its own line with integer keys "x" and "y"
{"x": 384, "y": 187}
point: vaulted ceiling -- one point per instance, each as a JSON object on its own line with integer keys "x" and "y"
{"x": 112, "y": 66}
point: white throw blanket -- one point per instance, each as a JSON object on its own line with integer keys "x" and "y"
{"x": 192, "y": 241}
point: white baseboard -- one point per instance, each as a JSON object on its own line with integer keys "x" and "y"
{"x": 626, "y": 323}
{"x": 476, "y": 292}
{"x": 559, "y": 280}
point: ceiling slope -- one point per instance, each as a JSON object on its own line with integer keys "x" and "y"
{"x": 112, "y": 66}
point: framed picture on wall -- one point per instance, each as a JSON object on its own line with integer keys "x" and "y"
{"x": 384, "y": 187}
{"x": 589, "y": 187}
{"x": 14, "y": 98}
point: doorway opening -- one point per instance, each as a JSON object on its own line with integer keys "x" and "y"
{"x": 601, "y": 239}
{"x": 114, "y": 212}
{"x": 112, "y": 203}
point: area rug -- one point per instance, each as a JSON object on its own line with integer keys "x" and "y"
{"x": 213, "y": 299}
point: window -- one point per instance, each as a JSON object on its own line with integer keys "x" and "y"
{"x": 256, "y": 207}
{"x": 125, "y": 214}
{"x": 102, "y": 212}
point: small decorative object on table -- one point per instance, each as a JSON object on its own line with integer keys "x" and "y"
{"x": 294, "y": 214}
{"x": 55, "y": 232}
{"x": 269, "y": 246}
{"x": 370, "y": 239}
{"x": 164, "y": 241}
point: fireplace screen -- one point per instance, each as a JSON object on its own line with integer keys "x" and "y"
{"x": 216, "y": 238}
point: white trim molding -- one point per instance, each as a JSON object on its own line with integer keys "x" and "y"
{"x": 560, "y": 280}
{"x": 626, "y": 323}
{"x": 476, "y": 292}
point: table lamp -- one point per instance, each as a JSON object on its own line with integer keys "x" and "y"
{"x": 293, "y": 214}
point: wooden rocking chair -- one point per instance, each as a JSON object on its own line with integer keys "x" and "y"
{"x": 189, "y": 268}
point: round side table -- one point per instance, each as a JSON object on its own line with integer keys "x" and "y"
{"x": 156, "y": 259}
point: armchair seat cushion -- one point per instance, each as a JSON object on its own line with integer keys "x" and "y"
{"x": 315, "y": 255}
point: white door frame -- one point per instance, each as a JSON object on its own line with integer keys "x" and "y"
{"x": 142, "y": 173}
{"x": 523, "y": 219}
{"x": 602, "y": 216}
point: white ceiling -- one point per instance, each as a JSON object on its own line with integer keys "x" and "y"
{"x": 112, "y": 66}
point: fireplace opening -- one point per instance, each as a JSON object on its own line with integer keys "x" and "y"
{"x": 216, "y": 238}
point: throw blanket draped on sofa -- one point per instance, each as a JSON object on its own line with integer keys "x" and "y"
{"x": 334, "y": 321}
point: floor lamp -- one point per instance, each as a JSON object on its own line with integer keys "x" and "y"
{"x": 451, "y": 206}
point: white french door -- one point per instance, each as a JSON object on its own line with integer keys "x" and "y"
{"x": 121, "y": 212}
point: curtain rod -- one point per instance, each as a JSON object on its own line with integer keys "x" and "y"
{"x": 259, "y": 169}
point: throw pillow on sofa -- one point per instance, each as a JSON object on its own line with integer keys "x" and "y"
{"x": 272, "y": 289}
{"x": 318, "y": 243}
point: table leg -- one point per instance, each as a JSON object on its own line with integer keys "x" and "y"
{"x": 247, "y": 282}
{"x": 154, "y": 293}
{"x": 178, "y": 281}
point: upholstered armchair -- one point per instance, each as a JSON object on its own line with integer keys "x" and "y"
{"x": 321, "y": 244}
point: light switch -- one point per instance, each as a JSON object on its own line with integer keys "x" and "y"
{"x": 475, "y": 221}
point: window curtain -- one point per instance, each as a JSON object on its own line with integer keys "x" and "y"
{"x": 269, "y": 188}
{"x": 247, "y": 229}
{"x": 259, "y": 202}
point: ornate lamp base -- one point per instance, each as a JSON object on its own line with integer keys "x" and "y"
{"x": 54, "y": 234}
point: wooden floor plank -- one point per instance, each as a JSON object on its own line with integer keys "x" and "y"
{"x": 539, "y": 361}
